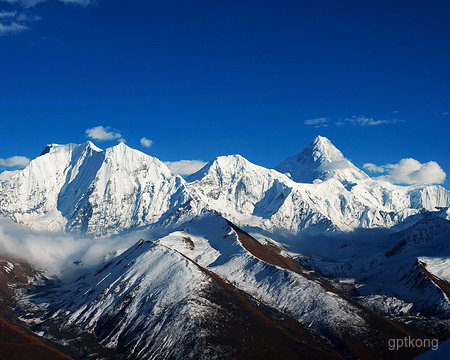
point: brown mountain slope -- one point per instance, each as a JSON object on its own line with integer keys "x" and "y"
{"x": 16, "y": 342}
{"x": 382, "y": 328}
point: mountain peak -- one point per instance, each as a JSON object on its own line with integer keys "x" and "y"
{"x": 320, "y": 159}
{"x": 120, "y": 146}
{"x": 92, "y": 146}
{"x": 51, "y": 148}
{"x": 321, "y": 139}
{"x": 78, "y": 187}
{"x": 232, "y": 160}
{"x": 224, "y": 164}
{"x": 322, "y": 149}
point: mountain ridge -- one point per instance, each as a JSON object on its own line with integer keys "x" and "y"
{"x": 82, "y": 188}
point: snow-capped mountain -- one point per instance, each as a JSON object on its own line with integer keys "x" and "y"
{"x": 340, "y": 198}
{"x": 402, "y": 269}
{"x": 320, "y": 160}
{"x": 201, "y": 287}
{"x": 84, "y": 189}
{"x": 253, "y": 196}
{"x": 81, "y": 188}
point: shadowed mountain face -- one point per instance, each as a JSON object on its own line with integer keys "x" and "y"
{"x": 16, "y": 341}
{"x": 356, "y": 261}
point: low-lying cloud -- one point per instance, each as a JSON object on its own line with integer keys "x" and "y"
{"x": 185, "y": 167}
{"x": 410, "y": 171}
{"x": 57, "y": 252}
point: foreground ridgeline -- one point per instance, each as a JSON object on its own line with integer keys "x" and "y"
{"x": 313, "y": 259}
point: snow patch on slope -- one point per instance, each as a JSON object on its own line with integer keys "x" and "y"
{"x": 438, "y": 266}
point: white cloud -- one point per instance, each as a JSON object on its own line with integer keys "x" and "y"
{"x": 14, "y": 161}
{"x": 185, "y": 167}
{"x": 411, "y": 171}
{"x": 104, "y": 133}
{"x": 146, "y": 142}
{"x": 353, "y": 120}
{"x": 317, "y": 122}
{"x": 6, "y": 175}
{"x": 30, "y": 3}
{"x": 7, "y": 14}
{"x": 366, "y": 121}
{"x": 56, "y": 251}
{"x": 11, "y": 28}
{"x": 373, "y": 168}
{"x": 12, "y": 22}
{"x": 15, "y": 21}
{"x": 24, "y": 3}
{"x": 77, "y": 2}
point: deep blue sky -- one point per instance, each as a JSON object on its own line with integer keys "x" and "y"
{"x": 208, "y": 78}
